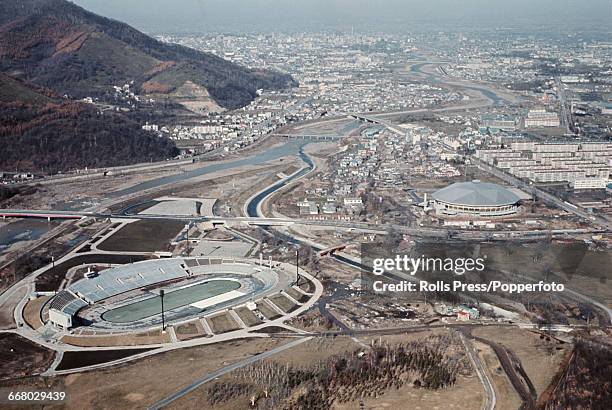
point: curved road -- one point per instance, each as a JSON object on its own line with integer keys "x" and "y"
{"x": 252, "y": 207}
{"x": 218, "y": 373}
{"x": 479, "y": 367}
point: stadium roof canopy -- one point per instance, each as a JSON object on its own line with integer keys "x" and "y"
{"x": 476, "y": 193}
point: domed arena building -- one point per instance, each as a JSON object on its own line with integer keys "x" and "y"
{"x": 475, "y": 199}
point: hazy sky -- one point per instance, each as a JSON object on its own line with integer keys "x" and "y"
{"x": 267, "y": 15}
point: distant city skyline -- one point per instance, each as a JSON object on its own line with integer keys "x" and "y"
{"x": 381, "y": 15}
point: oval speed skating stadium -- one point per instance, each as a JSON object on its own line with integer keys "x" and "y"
{"x": 128, "y": 297}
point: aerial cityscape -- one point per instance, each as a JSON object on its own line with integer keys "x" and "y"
{"x": 324, "y": 205}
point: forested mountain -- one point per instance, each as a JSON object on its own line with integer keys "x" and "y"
{"x": 53, "y": 52}
{"x": 43, "y": 133}
{"x": 66, "y": 135}
{"x": 59, "y": 45}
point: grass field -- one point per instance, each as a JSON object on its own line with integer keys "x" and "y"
{"x": 148, "y": 235}
{"x": 189, "y": 330}
{"x": 138, "y": 384}
{"x": 222, "y": 323}
{"x": 19, "y": 357}
{"x": 283, "y": 303}
{"x": 138, "y": 339}
{"x": 8, "y": 307}
{"x": 31, "y": 312}
{"x": 186, "y": 329}
{"x": 296, "y": 295}
{"x": 507, "y": 397}
{"x": 247, "y": 316}
{"x": 267, "y": 311}
{"x": 541, "y": 358}
{"x": 73, "y": 360}
{"x": 466, "y": 394}
{"x": 306, "y": 286}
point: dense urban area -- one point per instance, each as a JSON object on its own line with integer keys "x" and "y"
{"x": 189, "y": 238}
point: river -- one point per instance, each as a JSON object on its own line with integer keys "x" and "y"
{"x": 291, "y": 147}
{"x": 31, "y": 229}
{"x": 254, "y": 203}
{"x": 23, "y": 230}
{"x": 418, "y": 68}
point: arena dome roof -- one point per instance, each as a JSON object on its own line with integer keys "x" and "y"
{"x": 476, "y": 193}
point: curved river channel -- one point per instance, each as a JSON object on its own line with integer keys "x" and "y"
{"x": 292, "y": 147}
{"x": 255, "y": 201}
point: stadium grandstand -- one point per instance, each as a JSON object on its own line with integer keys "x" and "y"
{"x": 128, "y": 295}
{"x": 129, "y": 277}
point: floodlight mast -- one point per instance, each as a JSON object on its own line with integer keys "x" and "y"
{"x": 161, "y": 295}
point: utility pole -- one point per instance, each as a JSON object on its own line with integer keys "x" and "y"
{"x": 14, "y": 264}
{"x": 187, "y": 237}
{"x": 297, "y": 267}
{"x": 161, "y": 295}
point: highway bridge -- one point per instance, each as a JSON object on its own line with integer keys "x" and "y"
{"x": 48, "y": 215}
{"x": 374, "y": 120}
{"x": 313, "y": 137}
{"x": 330, "y": 251}
{"x": 366, "y": 227}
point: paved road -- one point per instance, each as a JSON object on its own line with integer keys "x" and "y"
{"x": 104, "y": 172}
{"x": 26, "y": 285}
{"x": 514, "y": 236}
{"x": 490, "y": 399}
{"x": 584, "y": 298}
{"x": 565, "y": 115}
{"x": 357, "y": 226}
{"x": 218, "y": 373}
{"x": 457, "y": 325}
{"x": 53, "y": 344}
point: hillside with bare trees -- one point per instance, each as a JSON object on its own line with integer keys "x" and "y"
{"x": 429, "y": 363}
{"x": 62, "y": 136}
{"x": 587, "y": 381}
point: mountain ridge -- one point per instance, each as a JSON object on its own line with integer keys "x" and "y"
{"x": 53, "y": 52}
{"x": 59, "y": 45}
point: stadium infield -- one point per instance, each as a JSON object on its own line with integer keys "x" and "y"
{"x": 181, "y": 297}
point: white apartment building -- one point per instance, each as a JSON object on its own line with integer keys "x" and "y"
{"x": 584, "y": 165}
{"x": 590, "y": 183}
{"x": 541, "y": 118}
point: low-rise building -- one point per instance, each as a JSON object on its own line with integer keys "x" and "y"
{"x": 590, "y": 183}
